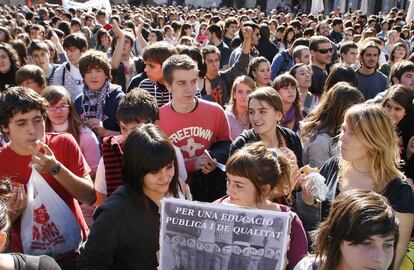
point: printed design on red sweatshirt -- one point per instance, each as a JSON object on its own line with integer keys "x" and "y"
{"x": 190, "y": 139}
{"x": 191, "y": 147}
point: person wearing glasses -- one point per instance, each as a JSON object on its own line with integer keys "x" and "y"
{"x": 370, "y": 80}
{"x": 321, "y": 55}
{"x": 62, "y": 117}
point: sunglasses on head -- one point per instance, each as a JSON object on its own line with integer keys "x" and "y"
{"x": 325, "y": 51}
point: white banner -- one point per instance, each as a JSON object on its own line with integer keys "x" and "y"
{"x": 206, "y": 236}
{"x": 105, "y": 4}
{"x": 410, "y": 12}
{"x": 317, "y": 6}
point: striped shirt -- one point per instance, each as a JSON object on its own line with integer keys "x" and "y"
{"x": 159, "y": 91}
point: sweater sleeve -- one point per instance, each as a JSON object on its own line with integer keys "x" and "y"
{"x": 232, "y": 58}
{"x": 310, "y": 215}
{"x": 239, "y": 68}
{"x": 298, "y": 247}
{"x": 89, "y": 145}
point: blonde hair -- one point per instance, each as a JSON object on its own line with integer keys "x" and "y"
{"x": 244, "y": 79}
{"x": 373, "y": 127}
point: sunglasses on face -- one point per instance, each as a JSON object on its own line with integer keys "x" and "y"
{"x": 325, "y": 51}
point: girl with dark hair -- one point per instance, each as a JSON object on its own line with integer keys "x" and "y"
{"x": 303, "y": 74}
{"x": 155, "y": 35}
{"x": 288, "y": 38}
{"x": 253, "y": 176}
{"x": 125, "y": 234}
{"x": 340, "y": 73}
{"x": 103, "y": 40}
{"x": 9, "y": 64}
{"x": 186, "y": 30}
{"x": 287, "y": 86}
{"x": 361, "y": 232}
{"x": 161, "y": 22}
{"x": 398, "y": 102}
{"x": 21, "y": 50}
{"x": 62, "y": 117}
{"x": 259, "y": 70}
{"x": 5, "y": 35}
{"x": 320, "y": 129}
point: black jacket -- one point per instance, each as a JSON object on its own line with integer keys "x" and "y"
{"x": 124, "y": 235}
{"x": 250, "y": 136}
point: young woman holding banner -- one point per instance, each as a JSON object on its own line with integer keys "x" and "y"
{"x": 254, "y": 174}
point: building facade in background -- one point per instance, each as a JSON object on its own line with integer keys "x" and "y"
{"x": 373, "y": 6}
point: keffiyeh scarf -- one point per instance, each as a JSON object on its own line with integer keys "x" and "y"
{"x": 94, "y": 101}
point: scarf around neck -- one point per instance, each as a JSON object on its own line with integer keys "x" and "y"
{"x": 289, "y": 117}
{"x": 94, "y": 102}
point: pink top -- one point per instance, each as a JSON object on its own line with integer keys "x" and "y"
{"x": 89, "y": 145}
{"x": 235, "y": 128}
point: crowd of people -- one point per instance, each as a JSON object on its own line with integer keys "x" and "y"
{"x": 117, "y": 111}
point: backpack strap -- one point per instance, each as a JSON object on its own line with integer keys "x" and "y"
{"x": 50, "y": 78}
{"x": 32, "y": 262}
{"x": 63, "y": 76}
{"x": 65, "y": 66}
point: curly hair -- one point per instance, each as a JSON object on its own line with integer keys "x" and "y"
{"x": 13, "y": 56}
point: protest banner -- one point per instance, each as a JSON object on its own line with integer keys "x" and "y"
{"x": 88, "y": 5}
{"x": 205, "y": 236}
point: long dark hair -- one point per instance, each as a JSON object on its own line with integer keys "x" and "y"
{"x": 340, "y": 73}
{"x": 13, "y": 57}
{"x": 404, "y": 97}
{"x": 329, "y": 113}
{"x": 355, "y": 216}
{"x": 147, "y": 149}
{"x": 285, "y": 40}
